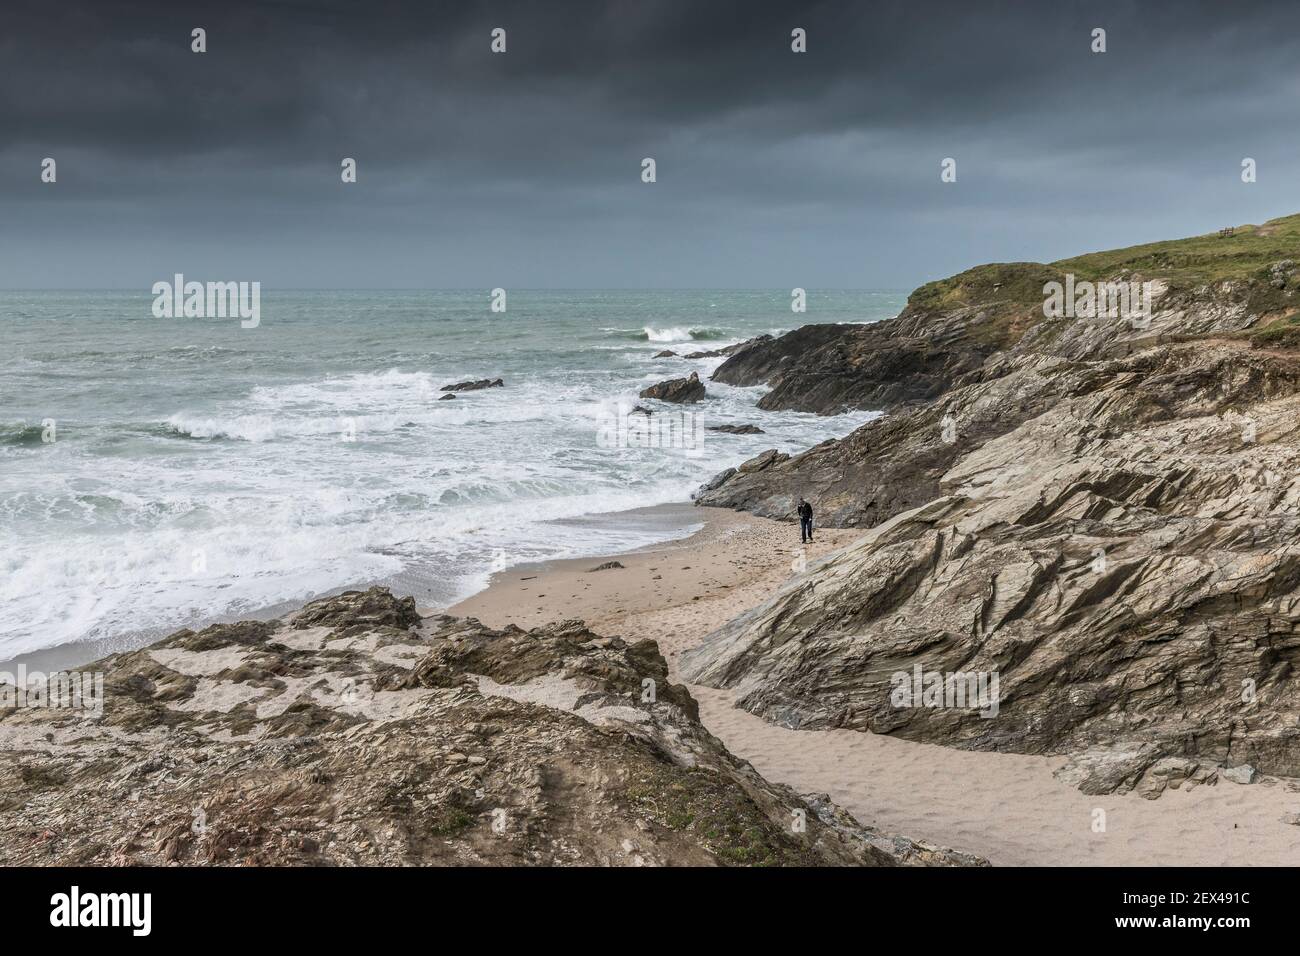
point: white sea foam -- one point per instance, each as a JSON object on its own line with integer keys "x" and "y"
{"x": 177, "y": 495}
{"x": 677, "y": 334}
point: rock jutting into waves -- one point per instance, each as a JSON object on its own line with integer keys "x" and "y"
{"x": 1102, "y": 512}
{"x": 717, "y": 353}
{"x": 356, "y": 732}
{"x": 474, "y": 386}
{"x": 683, "y": 391}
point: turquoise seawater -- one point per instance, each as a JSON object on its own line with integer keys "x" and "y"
{"x": 199, "y": 469}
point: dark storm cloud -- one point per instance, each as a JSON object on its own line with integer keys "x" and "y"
{"x": 523, "y": 169}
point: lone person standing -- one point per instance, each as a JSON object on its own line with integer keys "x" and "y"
{"x": 805, "y": 521}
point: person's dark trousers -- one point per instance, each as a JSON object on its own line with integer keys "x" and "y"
{"x": 805, "y": 529}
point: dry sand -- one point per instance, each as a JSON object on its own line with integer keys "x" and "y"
{"x": 1006, "y": 807}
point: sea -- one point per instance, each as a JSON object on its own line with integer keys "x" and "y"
{"x": 159, "y": 473}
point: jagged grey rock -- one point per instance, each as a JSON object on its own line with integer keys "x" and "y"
{"x": 1125, "y": 561}
{"x": 474, "y": 385}
{"x": 680, "y": 390}
{"x": 1243, "y": 774}
{"x": 1105, "y": 514}
{"x": 357, "y": 733}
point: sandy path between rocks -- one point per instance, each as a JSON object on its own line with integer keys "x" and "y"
{"x": 1006, "y": 807}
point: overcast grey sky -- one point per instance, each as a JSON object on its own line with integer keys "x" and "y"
{"x": 775, "y": 169}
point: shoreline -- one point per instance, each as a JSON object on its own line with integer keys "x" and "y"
{"x": 676, "y": 520}
{"x": 1006, "y": 807}
{"x": 650, "y": 577}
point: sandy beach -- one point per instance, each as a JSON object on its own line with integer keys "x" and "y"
{"x": 1008, "y": 808}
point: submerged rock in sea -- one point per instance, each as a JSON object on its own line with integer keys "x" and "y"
{"x": 355, "y": 733}
{"x": 745, "y": 429}
{"x": 474, "y": 386}
{"x": 718, "y": 353}
{"x": 708, "y": 353}
{"x": 679, "y": 390}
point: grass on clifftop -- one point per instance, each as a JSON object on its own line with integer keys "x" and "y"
{"x": 1015, "y": 289}
{"x": 1201, "y": 260}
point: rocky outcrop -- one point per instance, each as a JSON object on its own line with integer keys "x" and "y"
{"x": 357, "y": 733}
{"x": 717, "y": 353}
{"x": 368, "y": 609}
{"x": 1127, "y": 562}
{"x": 945, "y": 358}
{"x": 683, "y": 391}
{"x": 474, "y": 386}
{"x": 756, "y": 361}
{"x": 895, "y": 463}
{"x": 762, "y": 462}
{"x": 1101, "y": 521}
{"x": 706, "y": 353}
{"x": 856, "y": 367}
{"x": 746, "y": 429}
{"x": 963, "y": 328}
{"x": 934, "y": 343}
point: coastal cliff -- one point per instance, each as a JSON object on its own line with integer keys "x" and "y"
{"x": 1104, "y": 512}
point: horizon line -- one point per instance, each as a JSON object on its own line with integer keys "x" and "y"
{"x": 478, "y": 289}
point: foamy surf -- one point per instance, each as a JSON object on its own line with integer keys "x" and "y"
{"x": 238, "y": 470}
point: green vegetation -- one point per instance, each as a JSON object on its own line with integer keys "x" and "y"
{"x": 1284, "y": 334}
{"x": 1013, "y": 283}
{"x": 1245, "y": 255}
{"x": 450, "y": 819}
{"x": 720, "y": 816}
{"x": 1009, "y": 295}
